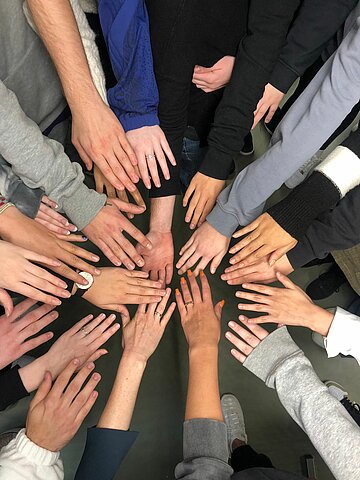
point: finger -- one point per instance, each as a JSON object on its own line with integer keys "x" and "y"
{"x": 108, "y": 173}
{"x": 100, "y": 329}
{"x": 45, "y": 211}
{"x": 192, "y": 206}
{"x": 64, "y": 377}
{"x": 35, "y": 257}
{"x": 215, "y": 263}
{"x": 76, "y": 383}
{"x": 270, "y": 114}
{"x": 286, "y": 281}
{"x": 254, "y": 307}
{"x": 52, "y": 227}
{"x": 138, "y": 198}
{"x": 140, "y": 290}
{"x": 187, "y": 245}
{"x": 152, "y": 165}
{"x": 76, "y": 394}
{"x": 190, "y": 263}
{"x": 22, "y": 307}
{"x": 126, "y": 164}
{"x": 45, "y": 275}
{"x": 257, "y": 255}
{"x": 239, "y": 356}
{"x": 75, "y": 328}
{"x": 45, "y": 285}
{"x": 201, "y": 266}
{"x": 169, "y": 269}
{"x": 246, "y": 230}
{"x": 37, "y": 326}
{"x": 185, "y": 291}
{"x": 166, "y": 148}
{"x": 161, "y": 307}
{"x": 162, "y": 161}
{"x": 264, "y": 289}
{"x": 35, "y": 342}
{"x": 277, "y": 254}
{"x": 248, "y": 245}
{"x": 7, "y": 303}
{"x": 47, "y": 201}
{"x": 110, "y": 190}
{"x": 254, "y": 297}
{"x": 167, "y": 316}
{"x": 180, "y": 303}
{"x": 69, "y": 273}
{"x": 43, "y": 390}
{"x": 243, "y": 347}
{"x": 96, "y": 355}
{"x": 190, "y": 190}
{"x": 244, "y": 334}
{"x": 84, "y": 156}
{"x": 260, "y": 332}
{"x": 186, "y": 255}
{"x": 124, "y": 312}
{"x": 104, "y": 337}
{"x": 72, "y": 238}
{"x": 205, "y": 287}
{"x": 85, "y": 410}
{"x": 198, "y": 212}
{"x": 138, "y": 281}
{"x": 32, "y": 316}
{"x": 142, "y": 299}
{"x": 195, "y": 291}
{"x": 35, "y": 294}
{"x": 143, "y": 168}
{"x": 218, "y": 309}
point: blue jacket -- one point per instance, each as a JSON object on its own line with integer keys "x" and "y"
{"x": 135, "y": 97}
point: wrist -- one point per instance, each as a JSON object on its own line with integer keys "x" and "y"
{"x": 203, "y": 351}
{"x": 162, "y": 210}
{"x": 33, "y": 373}
{"x": 320, "y": 321}
{"x": 134, "y": 360}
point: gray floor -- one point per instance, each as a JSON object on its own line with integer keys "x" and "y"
{"x": 161, "y": 401}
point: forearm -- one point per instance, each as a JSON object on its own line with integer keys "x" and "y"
{"x": 162, "y": 211}
{"x": 121, "y": 403}
{"x": 33, "y": 373}
{"x": 56, "y": 24}
{"x": 203, "y": 398}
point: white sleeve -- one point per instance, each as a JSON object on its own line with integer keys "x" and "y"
{"x": 344, "y": 335}
{"x": 22, "y": 459}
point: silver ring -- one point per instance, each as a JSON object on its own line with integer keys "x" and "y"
{"x": 150, "y": 157}
{"x": 189, "y": 303}
{"x": 159, "y": 314}
{"x": 84, "y": 331}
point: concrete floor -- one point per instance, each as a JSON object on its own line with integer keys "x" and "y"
{"x": 160, "y": 407}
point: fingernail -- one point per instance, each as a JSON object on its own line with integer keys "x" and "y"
{"x": 102, "y": 316}
{"x": 56, "y": 301}
{"x": 76, "y": 361}
{"x": 232, "y": 261}
{"x": 237, "y": 294}
{"x": 182, "y": 280}
{"x": 187, "y": 220}
{"x": 162, "y": 292}
{"x": 149, "y": 246}
{"x": 96, "y": 376}
{"x": 67, "y": 232}
{"x": 97, "y": 271}
{"x": 49, "y": 334}
{"x": 66, "y": 294}
{"x": 222, "y": 303}
{"x": 90, "y": 365}
{"x": 56, "y": 205}
{"x": 240, "y": 305}
{"x": 130, "y": 266}
{"x": 140, "y": 263}
{"x": 112, "y": 316}
{"x": 228, "y": 335}
{"x": 192, "y": 226}
{"x": 66, "y": 223}
{"x": 95, "y": 258}
{"x": 63, "y": 284}
{"x": 189, "y": 272}
{"x": 232, "y": 250}
{"x": 117, "y": 263}
{"x": 231, "y": 324}
{"x": 74, "y": 228}
{"x": 94, "y": 394}
{"x": 177, "y": 292}
{"x": 202, "y": 274}
{"x": 85, "y": 238}
{"x": 212, "y": 270}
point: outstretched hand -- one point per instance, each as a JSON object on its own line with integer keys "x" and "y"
{"x": 245, "y": 340}
{"x": 268, "y": 104}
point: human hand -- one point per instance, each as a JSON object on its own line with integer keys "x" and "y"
{"x": 264, "y": 237}
{"x": 159, "y": 260}
{"x": 206, "y": 244}
{"x": 142, "y": 335}
{"x": 16, "y": 333}
{"x": 25, "y": 232}
{"x": 260, "y": 271}
{"x": 201, "y": 321}
{"x": 269, "y": 103}
{"x": 289, "y": 306}
{"x": 151, "y": 148}
{"x": 6, "y": 302}
{"x": 215, "y": 77}
{"x": 105, "y": 230}
{"x": 57, "y": 411}
{"x": 99, "y": 137}
{"x": 203, "y": 191}
{"x": 248, "y": 341}
{"x": 20, "y": 275}
{"x": 117, "y": 286}
{"x": 54, "y": 221}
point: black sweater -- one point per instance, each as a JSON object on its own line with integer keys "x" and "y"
{"x": 11, "y": 387}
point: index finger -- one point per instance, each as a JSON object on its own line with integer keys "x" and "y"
{"x": 64, "y": 378}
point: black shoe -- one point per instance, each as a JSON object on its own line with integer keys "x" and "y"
{"x": 248, "y": 147}
{"x": 338, "y": 392}
{"x": 352, "y": 408}
{"x": 319, "y": 261}
{"x": 327, "y": 283}
{"x": 271, "y": 126}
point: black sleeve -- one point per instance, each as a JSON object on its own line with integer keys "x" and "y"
{"x": 316, "y": 23}
{"x": 105, "y": 449}
{"x": 305, "y": 203}
{"x": 338, "y": 229}
{"x": 268, "y": 24}
{"x": 11, "y": 387}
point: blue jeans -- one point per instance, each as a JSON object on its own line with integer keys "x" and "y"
{"x": 192, "y": 157}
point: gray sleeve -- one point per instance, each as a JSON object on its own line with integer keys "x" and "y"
{"x": 205, "y": 451}
{"x": 314, "y": 116}
{"x": 42, "y": 163}
{"x": 283, "y": 366}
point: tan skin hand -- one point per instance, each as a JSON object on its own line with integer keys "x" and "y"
{"x": 201, "y": 321}
{"x": 260, "y": 272}
{"x": 245, "y": 340}
{"x": 159, "y": 261}
{"x": 215, "y": 77}
{"x": 206, "y": 245}
{"x": 57, "y": 411}
{"x": 285, "y": 306}
{"x": 202, "y": 194}
{"x": 264, "y": 237}
{"x": 268, "y": 104}
{"x": 118, "y": 286}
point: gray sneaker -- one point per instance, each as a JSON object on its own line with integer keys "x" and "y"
{"x": 300, "y": 175}
{"x": 234, "y": 419}
{"x": 336, "y": 390}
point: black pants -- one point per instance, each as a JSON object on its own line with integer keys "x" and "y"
{"x": 245, "y": 457}
{"x": 185, "y": 33}
{"x": 303, "y": 83}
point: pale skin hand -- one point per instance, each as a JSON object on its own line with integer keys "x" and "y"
{"x": 264, "y": 237}
{"x": 268, "y": 104}
{"x": 6, "y": 302}
{"x": 25, "y": 232}
{"x": 206, "y": 244}
{"x": 19, "y": 274}
{"x": 57, "y": 411}
{"x": 215, "y": 77}
{"x": 259, "y": 272}
{"x": 245, "y": 340}
{"x": 105, "y": 230}
{"x": 54, "y": 221}
{"x": 201, "y": 321}
{"x": 117, "y": 286}
{"x": 289, "y": 306}
{"x": 151, "y": 141}
{"x": 202, "y": 194}
{"x": 15, "y": 333}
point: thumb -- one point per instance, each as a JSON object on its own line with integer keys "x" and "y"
{"x": 276, "y": 255}
{"x": 6, "y": 302}
{"x": 127, "y": 207}
{"x": 200, "y": 69}
{"x": 44, "y": 389}
{"x": 219, "y": 308}
{"x": 285, "y": 281}
{"x": 125, "y": 316}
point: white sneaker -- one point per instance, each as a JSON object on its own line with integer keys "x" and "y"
{"x": 318, "y": 339}
{"x": 300, "y": 175}
{"x": 234, "y": 419}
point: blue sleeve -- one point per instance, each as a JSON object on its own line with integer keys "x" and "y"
{"x": 135, "y": 98}
{"x": 105, "y": 449}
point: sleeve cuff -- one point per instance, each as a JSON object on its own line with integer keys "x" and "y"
{"x": 224, "y": 222}
{"x": 204, "y": 437}
{"x": 300, "y": 255}
{"x": 270, "y": 354}
{"x": 343, "y": 335}
{"x": 217, "y": 164}
{"x": 83, "y": 205}
{"x": 133, "y": 122}
{"x": 35, "y": 454}
{"x": 282, "y": 77}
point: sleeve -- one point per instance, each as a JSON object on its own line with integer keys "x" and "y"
{"x": 343, "y": 336}
{"x": 332, "y": 180}
{"x": 42, "y": 163}
{"x": 105, "y": 449}
{"x": 315, "y": 115}
{"x": 22, "y": 458}
{"x": 268, "y": 24}
{"x": 134, "y": 99}
{"x": 11, "y": 387}
{"x": 308, "y": 37}
{"x": 283, "y": 366}
{"x": 205, "y": 451}
{"x": 338, "y": 229}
